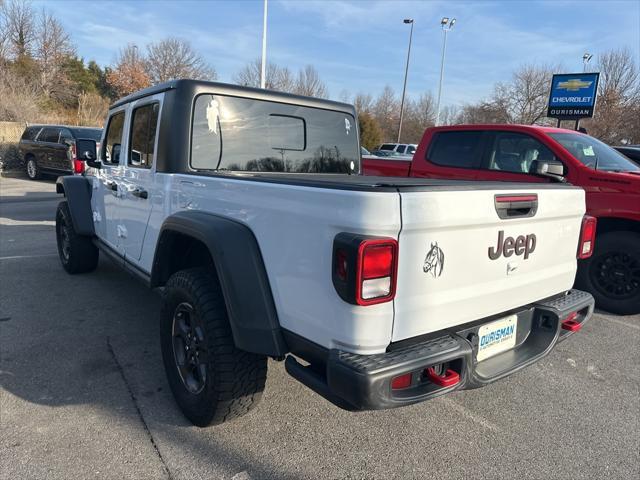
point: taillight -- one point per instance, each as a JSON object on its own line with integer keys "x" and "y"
{"x": 375, "y": 281}
{"x": 365, "y": 268}
{"x": 587, "y": 237}
{"x": 78, "y": 166}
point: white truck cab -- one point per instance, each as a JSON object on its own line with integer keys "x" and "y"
{"x": 246, "y": 209}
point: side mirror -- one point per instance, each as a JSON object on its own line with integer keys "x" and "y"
{"x": 86, "y": 151}
{"x": 549, "y": 168}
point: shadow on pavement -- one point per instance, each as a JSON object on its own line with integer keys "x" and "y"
{"x": 92, "y": 341}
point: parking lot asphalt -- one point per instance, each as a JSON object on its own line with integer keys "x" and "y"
{"x": 83, "y": 393}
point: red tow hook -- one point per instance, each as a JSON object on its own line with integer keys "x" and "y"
{"x": 571, "y": 324}
{"x": 449, "y": 379}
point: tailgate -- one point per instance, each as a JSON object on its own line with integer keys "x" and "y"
{"x": 452, "y": 264}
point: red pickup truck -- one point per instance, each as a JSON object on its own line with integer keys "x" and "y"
{"x": 526, "y": 153}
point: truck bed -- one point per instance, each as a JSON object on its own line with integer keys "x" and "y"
{"x": 296, "y": 218}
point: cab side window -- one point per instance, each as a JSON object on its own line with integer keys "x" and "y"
{"x": 456, "y": 149}
{"x": 113, "y": 139}
{"x": 144, "y": 124}
{"x": 50, "y": 135}
{"x": 516, "y": 152}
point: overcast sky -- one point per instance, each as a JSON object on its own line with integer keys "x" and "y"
{"x": 361, "y": 46}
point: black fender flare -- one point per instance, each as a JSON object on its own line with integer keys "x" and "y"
{"x": 77, "y": 189}
{"x": 240, "y": 268}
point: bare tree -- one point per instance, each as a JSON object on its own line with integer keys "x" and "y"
{"x": 19, "y": 97}
{"x": 616, "y": 112}
{"x": 309, "y": 83}
{"x": 19, "y": 26}
{"x": 52, "y": 45}
{"x": 345, "y": 96}
{"x": 277, "y": 78}
{"x": 363, "y": 102}
{"x": 483, "y": 112}
{"x": 386, "y": 110}
{"x": 92, "y": 109}
{"x": 449, "y": 115}
{"x": 4, "y": 36}
{"x": 173, "y": 58}
{"x": 418, "y": 116}
{"x": 129, "y": 73}
{"x": 524, "y": 98}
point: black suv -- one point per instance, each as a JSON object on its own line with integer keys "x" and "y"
{"x": 52, "y": 148}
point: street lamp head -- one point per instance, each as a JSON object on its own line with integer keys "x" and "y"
{"x": 587, "y": 57}
{"x": 452, "y": 22}
{"x": 444, "y": 21}
{"x": 408, "y": 20}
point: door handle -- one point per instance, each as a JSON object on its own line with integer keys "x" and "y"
{"x": 140, "y": 193}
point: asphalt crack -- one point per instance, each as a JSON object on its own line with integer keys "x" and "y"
{"x": 137, "y": 407}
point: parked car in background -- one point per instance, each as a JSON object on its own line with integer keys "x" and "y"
{"x": 527, "y": 153}
{"x": 632, "y": 152}
{"x": 51, "y": 149}
{"x": 407, "y": 149}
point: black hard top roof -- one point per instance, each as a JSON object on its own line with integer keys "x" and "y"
{"x": 189, "y": 88}
{"x": 71, "y": 127}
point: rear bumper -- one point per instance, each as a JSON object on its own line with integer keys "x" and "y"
{"x": 363, "y": 382}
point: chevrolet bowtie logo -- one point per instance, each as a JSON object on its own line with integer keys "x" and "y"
{"x": 574, "y": 84}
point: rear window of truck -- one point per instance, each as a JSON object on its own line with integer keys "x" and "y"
{"x": 240, "y": 134}
{"x": 456, "y": 149}
{"x": 87, "y": 133}
{"x": 30, "y": 133}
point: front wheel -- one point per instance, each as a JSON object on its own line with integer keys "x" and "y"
{"x": 77, "y": 253}
{"x": 612, "y": 274}
{"x": 211, "y": 380}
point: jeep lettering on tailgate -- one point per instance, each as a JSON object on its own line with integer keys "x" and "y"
{"x": 508, "y": 246}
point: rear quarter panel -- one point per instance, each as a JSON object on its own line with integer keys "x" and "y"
{"x": 295, "y": 227}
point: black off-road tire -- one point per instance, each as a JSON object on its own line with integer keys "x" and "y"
{"x": 234, "y": 379}
{"x": 612, "y": 273}
{"x": 77, "y": 253}
{"x": 32, "y": 168}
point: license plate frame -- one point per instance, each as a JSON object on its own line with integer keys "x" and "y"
{"x": 497, "y": 337}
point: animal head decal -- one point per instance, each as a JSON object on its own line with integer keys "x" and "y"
{"x": 434, "y": 261}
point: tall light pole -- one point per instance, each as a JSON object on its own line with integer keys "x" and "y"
{"x": 446, "y": 26}
{"x": 406, "y": 71}
{"x": 263, "y": 67}
{"x": 586, "y": 58}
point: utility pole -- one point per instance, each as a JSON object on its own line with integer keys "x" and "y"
{"x": 263, "y": 69}
{"x": 446, "y": 26}
{"x": 406, "y": 72}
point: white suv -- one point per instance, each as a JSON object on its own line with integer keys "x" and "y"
{"x": 406, "y": 149}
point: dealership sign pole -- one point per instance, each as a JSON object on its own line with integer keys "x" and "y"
{"x": 573, "y": 96}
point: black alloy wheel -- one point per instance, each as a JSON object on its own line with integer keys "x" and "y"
{"x": 189, "y": 348}
{"x": 616, "y": 274}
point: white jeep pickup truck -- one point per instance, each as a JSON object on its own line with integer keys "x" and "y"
{"x": 246, "y": 210}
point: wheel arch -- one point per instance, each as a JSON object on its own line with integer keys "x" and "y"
{"x": 188, "y": 239}
{"x": 77, "y": 190}
{"x": 617, "y": 224}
